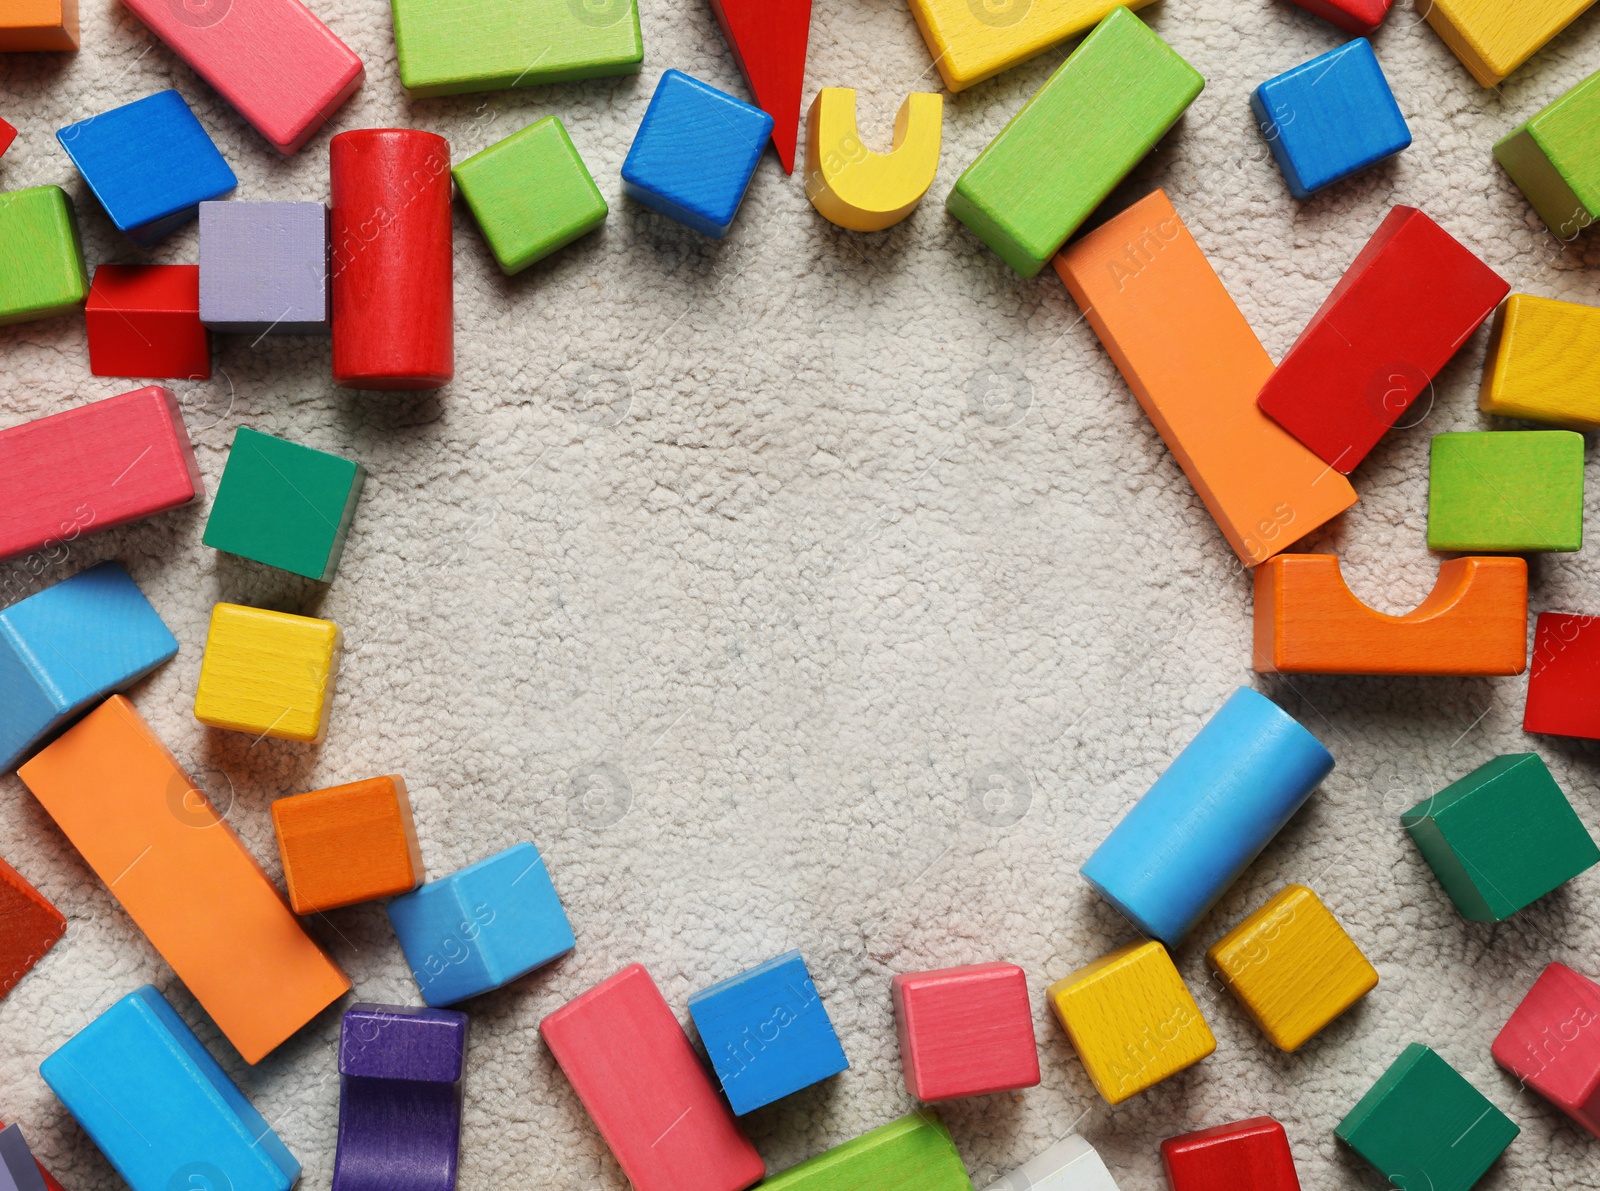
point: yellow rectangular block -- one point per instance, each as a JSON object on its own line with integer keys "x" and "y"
{"x": 1494, "y": 37}
{"x": 1131, "y": 1019}
{"x": 1293, "y": 967}
{"x": 972, "y": 40}
{"x": 268, "y": 673}
{"x": 1544, "y": 363}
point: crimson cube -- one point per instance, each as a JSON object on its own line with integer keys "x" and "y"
{"x": 144, "y": 321}
{"x": 1251, "y": 1155}
{"x": 1552, "y": 1043}
{"x": 1564, "y": 677}
{"x": 965, "y": 1031}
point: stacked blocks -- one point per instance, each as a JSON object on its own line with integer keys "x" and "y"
{"x": 1072, "y": 1164}
{"x": 1564, "y": 680}
{"x": 347, "y": 844}
{"x": 1512, "y": 491}
{"x": 1552, "y": 1043}
{"x": 1360, "y": 17}
{"x": 264, "y": 268}
{"x": 29, "y": 927}
{"x": 915, "y": 1153}
{"x": 1251, "y": 1155}
{"x": 973, "y": 42}
{"x": 18, "y": 1169}
{"x": 39, "y": 25}
{"x": 1544, "y": 363}
{"x": 144, "y": 320}
{"x": 965, "y": 1031}
{"x": 41, "y": 257}
{"x": 1493, "y": 38}
{"x": 1552, "y": 159}
{"x": 767, "y": 1033}
{"x": 268, "y": 673}
{"x": 1501, "y": 838}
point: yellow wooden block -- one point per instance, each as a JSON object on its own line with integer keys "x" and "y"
{"x": 1544, "y": 363}
{"x": 972, "y": 40}
{"x": 1494, "y": 37}
{"x": 1131, "y": 1019}
{"x": 1292, "y": 967}
{"x": 268, "y": 673}
{"x": 861, "y": 190}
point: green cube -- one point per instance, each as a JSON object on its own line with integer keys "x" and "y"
{"x": 41, "y": 258}
{"x": 1501, "y": 838}
{"x": 531, "y": 194}
{"x": 447, "y": 47}
{"x": 1509, "y": 491}
{"x": 1424, "y": 1127}
{"x": 284, "y": 505}
{"x": 1554, "y": 159}
{"x": 914, "y": 1153}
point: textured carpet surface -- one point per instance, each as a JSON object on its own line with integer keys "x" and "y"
{"x": 818, "y": 590}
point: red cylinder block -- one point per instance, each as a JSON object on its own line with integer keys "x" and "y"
{"x": 393, "y": 300}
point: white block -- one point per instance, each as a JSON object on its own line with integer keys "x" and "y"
{"x": 1070, "y": 1165}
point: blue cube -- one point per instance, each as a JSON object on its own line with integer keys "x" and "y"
{"x": 1330, "y": 118}
{"x": 767, "y": 1033}
{"x": 482, "y": 927}
{"x": 695, "y": 153}
{"x": 150, "y": 164}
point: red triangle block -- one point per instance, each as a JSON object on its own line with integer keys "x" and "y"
{"x": 768, "y": 39}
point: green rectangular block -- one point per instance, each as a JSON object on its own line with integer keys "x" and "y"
{"x": 1088, "y": 126}
{"x": 1554, "y": 159}
{"x": 914, "y": 1153}
{"x": 1501, "y": 838}
{"x": 41, "y": 257}
{"x": 284, "y": 505}
{"x": 531, "y": 194}
{"x": 1506, "y": 491}
{"x": 447, "y": 47}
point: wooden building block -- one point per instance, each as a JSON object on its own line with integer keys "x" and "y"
{"x": 150, "y": 164}
{"x": 50, "y": 1183}
{"x": 19, "y": 1171}
{"x": 1220, "y": 802}
{"x": 68, "y": 647}
{"x": 1564, "y": 681}
{"x": 1544, "y": 363}
{"x": 268, "y": 673}
{"x": 1552, "y": 159}
{"x": 8, "y": 134}
{"x": 281, "y": 68}
{"x": 1058, "y": 158}
{"x": 400, "y": 1074}
{"x": 450, "y": 46}
{"x": 1501, "y": 838}
{"x": 1412, "y": 297}
{"x": 1072, "y": 1164}
{"x": 1516, "y": 491}
{"x": 94, "y": 467}
{"x": 1251, "y": 1155}
{"x": 531, "y": 194}
{"x": 38, "y": 25}
{"x": 1552, "y": 1046}
{"x": 767, "y": 1033}
{"x": 481, "y": 927}
{"x": 41, "y": 257}
{"x": 347, "y": 844}
{"x": 768, "y": 39}
{"x": 965, "y": 1031}
{"x": 1195, "y": 366}
{"x": 1492, "y": 38}
{"x": 264, "y": 268}
{"x": 633, "y": 1068}
{"x": 1293, "y": 968}
{"x": 144, "y": 320}
{"x": 151, "y": 1097}
{"x": 29, "y": 927}
{"x": 1308, "y": 621}
{"x": 915, "y": 1153}
{"x": 1360, "y": 17}
{"x": 976, "y": 41}
{"x": 695, "y": 153}
{"x": 859, "y": 189}
{"x": 183, "y": 876}
{"x": 393, "y": 286}
{"x": 1423, "y": 1125}
{"x": 1330, "y": 118}
{"x": 284, "y": 505}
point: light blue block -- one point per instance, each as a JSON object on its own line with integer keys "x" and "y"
{"x": 482, "y": 927}
{"x": 767, "y": 1033}
{"x": 1208, "y": 816}
{"x": 1330, "y": 118}
{"x": 695, "y": 153}
{"x": 68, "y": 648}
{"x": 160, "y": 1108}
{"x": 150, "y": 164}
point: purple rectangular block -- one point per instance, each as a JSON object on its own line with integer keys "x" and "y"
{"x": 402, "y": 1042}
{"x": 264, "y": 268}
{"x": 18, "y": 1170}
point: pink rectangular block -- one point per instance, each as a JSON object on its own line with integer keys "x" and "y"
{"x": 633, "y": 1067}
{"x": 91, "y": 468}
{"x": 965, "y": 1031}
{"x": 1552, "y": 1043}
{"x": 273, "y": 60}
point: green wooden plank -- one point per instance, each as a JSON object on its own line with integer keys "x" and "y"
{"x": 1516, "y": 491}
{"x": 41, "y": 257}
{"x": 1554, "y": 158}
{"x": 914, "y": 1153}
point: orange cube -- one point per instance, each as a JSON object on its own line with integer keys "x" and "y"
{"x": 348, "y": 844}
{"x": 38, "y": 25}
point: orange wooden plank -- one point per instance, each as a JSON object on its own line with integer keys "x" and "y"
{"x": 347, "y": 844}
{"x": 29, "y": 927}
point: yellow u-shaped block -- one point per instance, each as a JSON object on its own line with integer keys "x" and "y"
{"x": 861, "y": 190}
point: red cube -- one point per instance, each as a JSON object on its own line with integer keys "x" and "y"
{"x": 1251, "y": 1155}
{"x": 7, "y": 135}
{"x": 1552, "y": 1043}
{"x": 1564, "y": 677}
{"x": 1360, "y": 17}
{"x": 965, "y": 1031}
{"x": 144, "y": 321}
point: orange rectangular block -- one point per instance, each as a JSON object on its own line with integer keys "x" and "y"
{"x": 1195, "y": 365}
{"x": 348, "y": 844}
{"x": 38, "y": 25}
{"x": 184, "y": 877}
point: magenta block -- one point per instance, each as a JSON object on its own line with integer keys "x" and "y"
{"x": 1552, "y": 1043}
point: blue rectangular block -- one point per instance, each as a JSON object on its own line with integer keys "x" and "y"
{"x": 695, "y": 153}
{"x": 150, "y": 164}
{"x": 767, "y": 1032}
{"x": 482, "y": 927}
{"x": 1330, "y": 118}
{"x": 160, "y": 1108}
{"x": 264, "y": 268}
{"x": 70, "y": 646}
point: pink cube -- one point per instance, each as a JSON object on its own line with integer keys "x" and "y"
{"x": 965, "y": 1031}
{"x": 1552, "y": 1043}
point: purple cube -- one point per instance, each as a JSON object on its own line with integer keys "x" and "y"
{"x": 264, "y": 268}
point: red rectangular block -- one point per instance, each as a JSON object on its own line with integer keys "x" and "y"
{"x": 637, "y": 1074}
{"x": 1552, "y": 1043}
{"x": 144, "y": 320}
{"x": 95, "y": 467}
{"x": 1413, "y": 296}
{"x": 7, "y": 135}
{"x": 1251, "y": 1155}
{"x": 29, "y": 927}
{"x": 1564, "y": 677}
{"x": 965, "y": 1031}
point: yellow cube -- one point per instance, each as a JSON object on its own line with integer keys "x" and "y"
{"x": 1544, "y": 363}
{"x": 1494, "y": 37}
{"x": 1293, "y": 967}
{"x": 268, "y": 673}
{"x": 972, "y": 40}
{"x": 1131, "y": 1019}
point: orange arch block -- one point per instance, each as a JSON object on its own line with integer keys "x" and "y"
{"x": 1308, "y": 621}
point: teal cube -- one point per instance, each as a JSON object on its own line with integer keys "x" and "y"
{"x": 1516, "y": 492}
